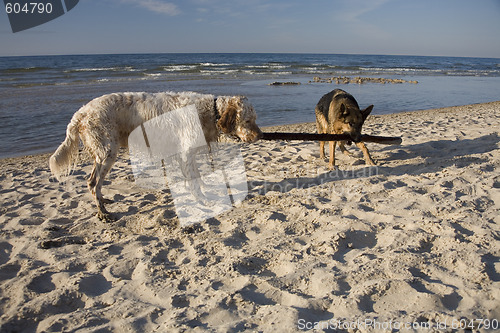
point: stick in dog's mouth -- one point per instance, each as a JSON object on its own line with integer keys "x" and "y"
{"x": 387, "y": 140}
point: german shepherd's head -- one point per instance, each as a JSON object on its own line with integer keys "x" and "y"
{"x": 350, "y": 120}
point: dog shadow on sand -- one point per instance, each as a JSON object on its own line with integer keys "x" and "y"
{"x": 431, "y": 156}
{"x": 410, "y": 159}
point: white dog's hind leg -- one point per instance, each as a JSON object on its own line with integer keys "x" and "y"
{"x": 192, "y": 176}
{"x": 95, "y": 190}
{"x": 92, "y": 181}
{"x": 96, "y": 181}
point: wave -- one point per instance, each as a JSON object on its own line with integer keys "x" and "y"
{"x": 179, "y": 68}
{"x": 103, "y": 69}
{"x": 24, "y": 70}
{"x": 90, "y": 69}
{"x": 210, "y": 64}
{"x": 221, "y": 71}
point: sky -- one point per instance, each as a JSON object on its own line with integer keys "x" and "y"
{"x": 398, "y": 27}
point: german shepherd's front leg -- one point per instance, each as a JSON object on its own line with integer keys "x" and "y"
{"x": 322, "y": 127}
{"x": 343, "y": 149}
{"x": 366, "y": 154}
{"x": 322, "y": 149}
{"x": 331, "y": 165}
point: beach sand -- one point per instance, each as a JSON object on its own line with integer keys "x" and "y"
{"x": 413, "y": 241}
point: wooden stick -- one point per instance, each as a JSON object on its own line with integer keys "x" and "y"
{"x": 385, "y": 140}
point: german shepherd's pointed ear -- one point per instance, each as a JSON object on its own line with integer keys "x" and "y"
{"x": 227, "y": 121}
{"x": 366, "y": 112}
{"x": 343, "y": 110}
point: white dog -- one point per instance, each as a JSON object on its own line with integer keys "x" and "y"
{"x": 104, "y": 124}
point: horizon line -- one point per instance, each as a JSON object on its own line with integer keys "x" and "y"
{"x": 235, "y": 53}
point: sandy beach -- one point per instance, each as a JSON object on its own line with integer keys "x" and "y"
{"x": 412, "y": 244}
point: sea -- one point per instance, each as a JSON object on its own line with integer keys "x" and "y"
{"x": 39, "y": 94}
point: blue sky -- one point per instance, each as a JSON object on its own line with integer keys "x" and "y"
{"x": 412, "y": 27}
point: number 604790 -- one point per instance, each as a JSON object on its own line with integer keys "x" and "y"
{"x": 28, "y": 8}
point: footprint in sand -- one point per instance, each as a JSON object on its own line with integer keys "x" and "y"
{"x": 9, "y": 271}
{"x": 42, "y": 283}
{"x": 94, "y": 285}
{"x": 5, "y": 251}
{"x": 123, "y": 269}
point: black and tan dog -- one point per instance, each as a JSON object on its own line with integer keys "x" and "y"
{"x": 338, "y": 113}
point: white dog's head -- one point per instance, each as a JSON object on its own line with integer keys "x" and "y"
{"x": 237, "y": 118}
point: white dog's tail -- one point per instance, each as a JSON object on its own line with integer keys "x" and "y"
{"x": 65, "y": 157}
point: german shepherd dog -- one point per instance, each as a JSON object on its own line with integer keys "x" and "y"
{"x": 338, "y": 113}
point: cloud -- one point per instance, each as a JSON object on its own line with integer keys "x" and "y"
{"x": 354, "y": 9}
{"x": 156, "y": 6}
{"x": 354, "y": 13}
{"x": 227, "y": 12}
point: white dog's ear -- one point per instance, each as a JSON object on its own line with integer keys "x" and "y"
{"x": 227, "y": 121}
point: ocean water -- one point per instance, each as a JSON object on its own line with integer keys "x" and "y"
{"x": 39, "y": 95}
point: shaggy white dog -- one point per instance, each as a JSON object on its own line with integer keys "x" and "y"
{"x": 104, "y": 124}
